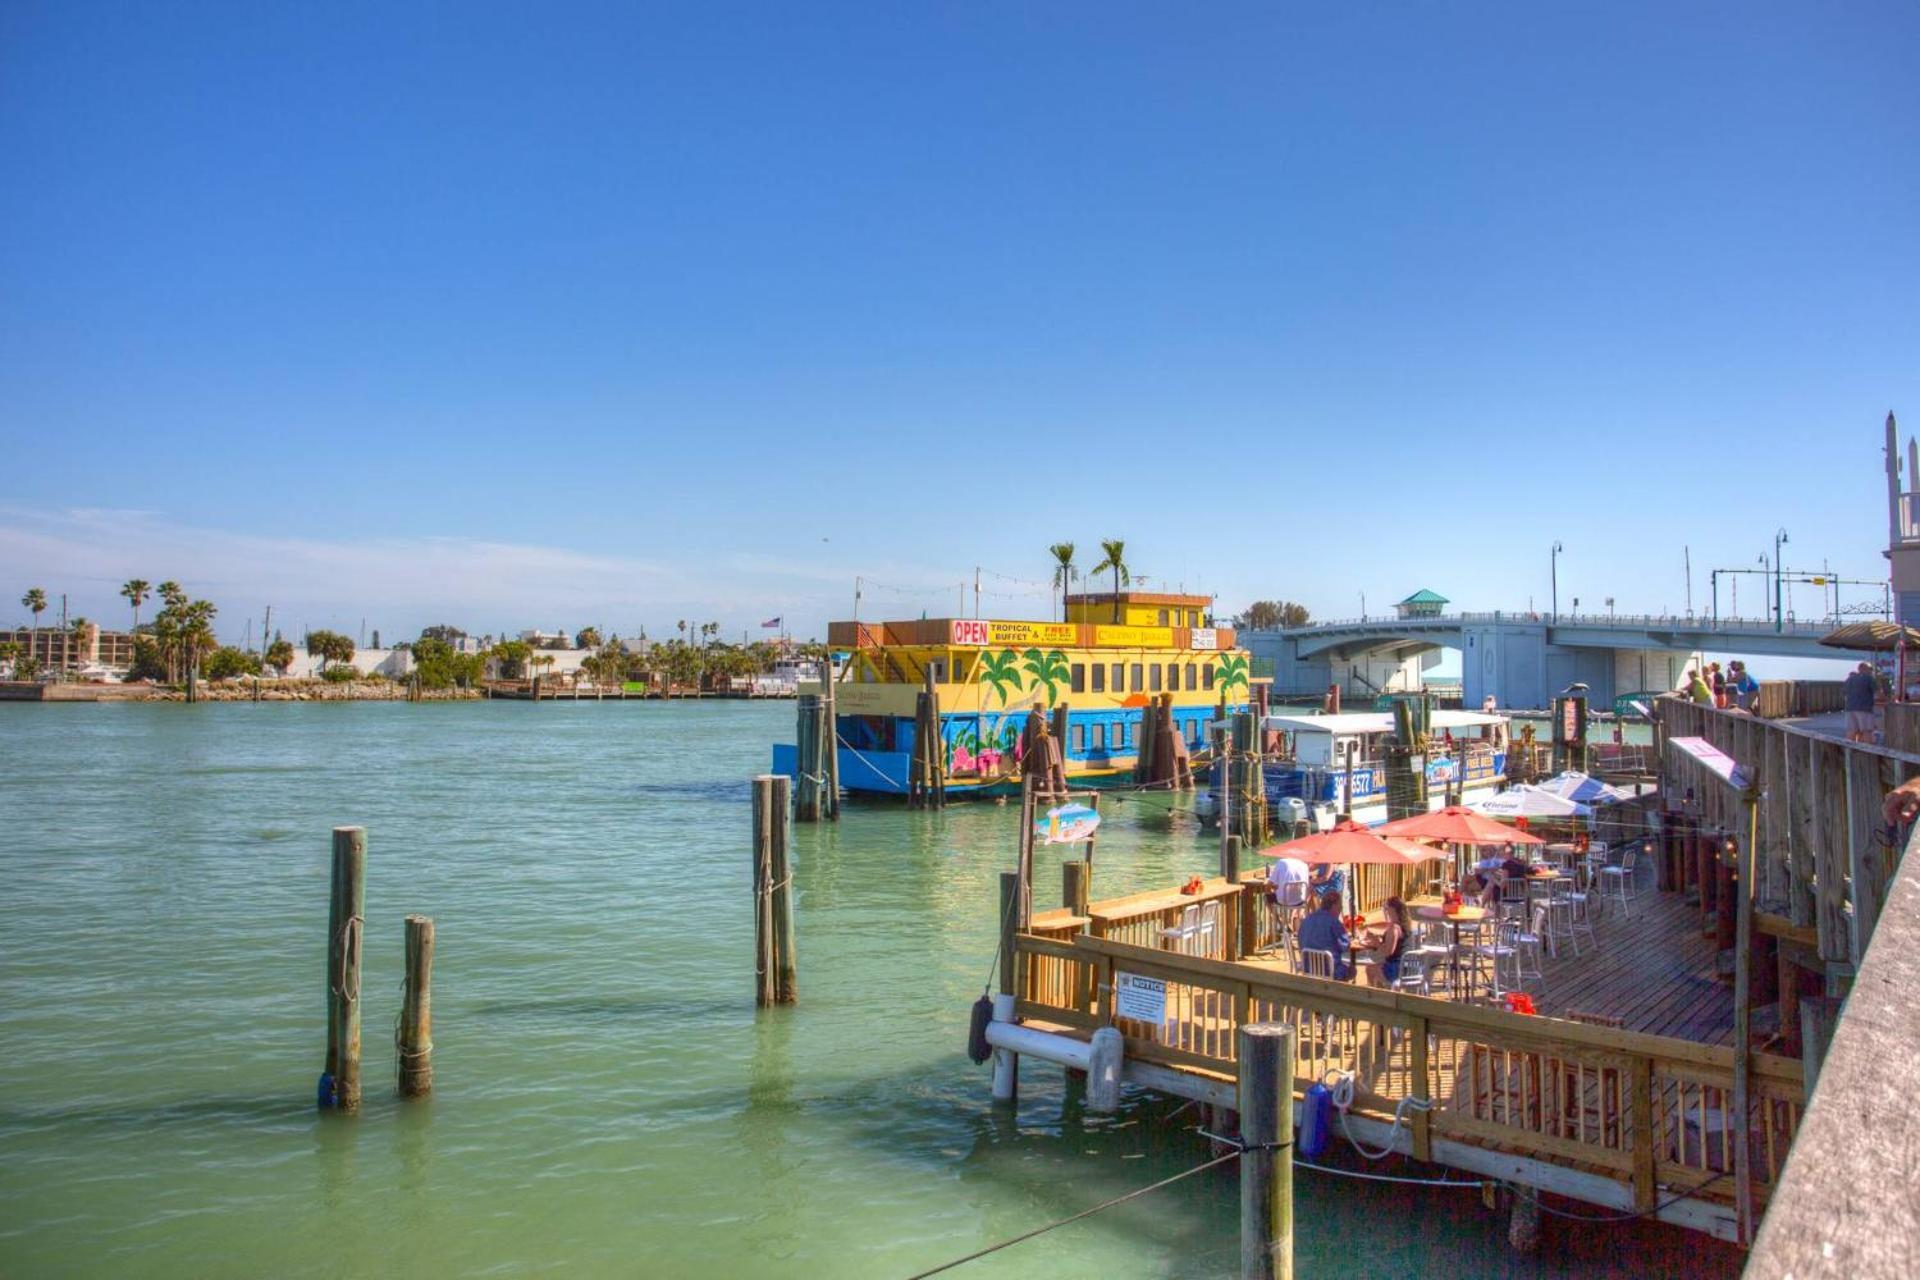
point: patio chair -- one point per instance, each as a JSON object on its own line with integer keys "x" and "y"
{"x": 1557, "y": 917}
{"x": 1181, "y": 937}
{"x": 1620, "y": 883}
{"x": 1526, "y": 947}
{"x": 1207, "y": 932}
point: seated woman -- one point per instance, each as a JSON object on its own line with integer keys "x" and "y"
{"x": 1388, "y": 941}
{"x": 1483, "y": 887}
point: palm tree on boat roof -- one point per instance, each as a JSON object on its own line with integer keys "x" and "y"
{"x": 1116, "y": 560}
{"x": 1062, "y": 553}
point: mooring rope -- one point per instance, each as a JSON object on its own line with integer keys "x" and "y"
{"x": 1084, "y": 1213}
{"x": 350, "y": 930}
{"x": 1534, "y": 1195}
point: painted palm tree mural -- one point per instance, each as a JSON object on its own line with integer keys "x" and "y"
{"x": 1049, "y": 671}
{"x": 1002, "y": 671}
{"x": 1233, "y": 673}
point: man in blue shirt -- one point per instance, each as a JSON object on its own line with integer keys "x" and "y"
{"x": 1860, "y": 690}
{"x": 1322, "y": 931}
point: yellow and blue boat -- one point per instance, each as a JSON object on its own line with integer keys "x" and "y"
{"x": 1113, "y": 655}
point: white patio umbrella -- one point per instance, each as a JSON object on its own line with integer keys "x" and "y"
{"x": 1528, "y": 802}
{"x": 1583, "y": 788}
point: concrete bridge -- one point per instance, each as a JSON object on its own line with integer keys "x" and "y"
{"x": 1523, "y": 659}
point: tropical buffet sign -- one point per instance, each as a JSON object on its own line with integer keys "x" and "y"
{"x": 982, "y": 631}
{"x": 1068, "y": 824}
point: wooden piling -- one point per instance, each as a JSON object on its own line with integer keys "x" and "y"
{"x": 775, "y": 970}
{"x": 346, "y": 921}
{"x": 806, "y": 736}
{"x": 786, "y": 987}
{"x": 1230, "y": 858}
{"x": 829, "y": 741}
{"x": 413, "y": 1041}
{"x": 1075, "y": 886}
{"x": 1266, "y": 1168}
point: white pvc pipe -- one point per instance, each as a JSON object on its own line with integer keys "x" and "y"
{"x": 1006, "y": 1063}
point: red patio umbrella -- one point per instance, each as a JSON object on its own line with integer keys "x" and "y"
{"x": 1456, "y": 824}
{"x": 1350, "y": 843}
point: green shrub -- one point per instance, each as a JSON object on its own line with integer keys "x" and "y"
{"x": 340, "y": 673}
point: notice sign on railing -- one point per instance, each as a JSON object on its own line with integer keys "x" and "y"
{"x": 1718, "y": 762}
{"x": 1140, "y": 999}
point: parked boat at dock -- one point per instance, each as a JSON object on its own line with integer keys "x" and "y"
{"x": 1321, "y": 766}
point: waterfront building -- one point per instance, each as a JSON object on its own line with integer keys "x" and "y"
{"x": 1112, "y": 656}
{"x": 73, "y": 648}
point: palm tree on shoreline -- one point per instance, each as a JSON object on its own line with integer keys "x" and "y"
{"x": 1062, "y": 553}
{"x": 1116, "y": 560}
{"x": 36, "y": 600}
{"x": 136, "y": 591}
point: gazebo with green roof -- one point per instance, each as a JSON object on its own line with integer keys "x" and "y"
{"x": 1422, "y": 604}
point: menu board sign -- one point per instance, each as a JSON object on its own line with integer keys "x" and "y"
{"x": 1204, "y": 638}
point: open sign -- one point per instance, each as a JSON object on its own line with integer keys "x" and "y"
{"x": 967, "y": 631}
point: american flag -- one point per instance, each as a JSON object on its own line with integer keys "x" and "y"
{"x": 771, "y": 624}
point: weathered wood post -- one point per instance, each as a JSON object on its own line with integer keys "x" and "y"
{"x": 774, "y": 965}
{"x": 1266, "y": 1167}
{"x": 345, "y": 922}
{"x": 829, "y": 741}
{"x": 1074, "y": 889}
{"x": 807, "y": 770}
{"x": 1742, "y": 1019}
{"x": 413, "y": 1042}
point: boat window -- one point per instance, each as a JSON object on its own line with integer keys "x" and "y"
{"x": 1119, "y": 677}
{"x": 1099, "y": 734}
{"x": 1080, "y": 739}
{"x": 1099, "y": 677}
{"x": 1206, "y": 676}
{"x": 1139, "y": 678}
{"x": 1153, "y": 677}
{"x": 1079, "y": 677}
{"x": 1163, "y": 617}
{"x": 1193, "y": 677}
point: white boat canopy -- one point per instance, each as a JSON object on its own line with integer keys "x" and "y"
{"x": 1373, "y": 722}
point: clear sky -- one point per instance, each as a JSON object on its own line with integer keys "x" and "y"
{"x": 548, "y": 315}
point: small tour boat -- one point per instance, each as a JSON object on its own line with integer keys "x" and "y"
{"x": 1325, "y": 765}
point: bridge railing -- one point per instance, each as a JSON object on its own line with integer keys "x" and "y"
{"x": 1637, "y": 621}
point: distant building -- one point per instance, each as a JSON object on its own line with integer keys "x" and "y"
{"x": 547, "y": 639}
{"x": 455, "y": 639}
{"x": 70, "y": 649}
{"x": 1422, "y": 604}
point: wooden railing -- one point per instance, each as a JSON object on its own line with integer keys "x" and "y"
{"x": 1824, "y": 856}
{"x": 1781, "y": 698}
{"x": 1645, "y": 1111}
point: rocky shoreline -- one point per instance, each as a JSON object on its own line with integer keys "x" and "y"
{"x": 242, "y": 690}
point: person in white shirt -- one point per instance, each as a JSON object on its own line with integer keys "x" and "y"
{"x": 1287, "y": 883}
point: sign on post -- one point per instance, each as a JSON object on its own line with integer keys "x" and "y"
{"x": 1140, "y": 999}
{"x": 1717, "y": 762}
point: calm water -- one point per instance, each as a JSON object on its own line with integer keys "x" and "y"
{"x": 608, "y": 1101}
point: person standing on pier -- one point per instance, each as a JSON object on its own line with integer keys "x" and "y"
{"x": 1860, "y": 691}
{"x": 1745, "y": 687}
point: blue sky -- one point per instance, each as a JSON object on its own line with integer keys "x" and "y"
{"x": 517, "y": 315}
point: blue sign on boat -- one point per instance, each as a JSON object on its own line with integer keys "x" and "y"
{"x": 1069, "y": 824}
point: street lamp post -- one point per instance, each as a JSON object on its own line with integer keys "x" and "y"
{"x": 1779, "y": 539}
{"x": 1553, "y": 569}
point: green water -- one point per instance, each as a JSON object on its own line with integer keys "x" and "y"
{"x": 608, "y": 1102}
